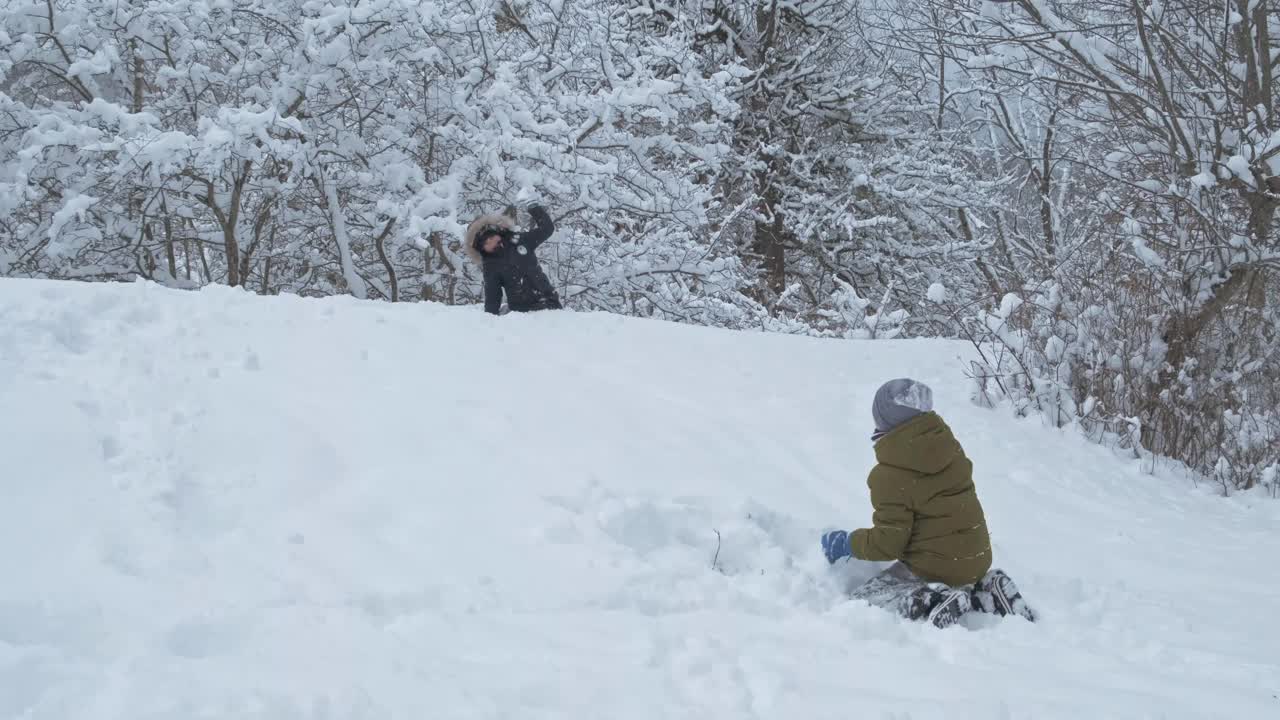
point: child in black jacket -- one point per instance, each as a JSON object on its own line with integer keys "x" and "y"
{"x": 510, "y": 263}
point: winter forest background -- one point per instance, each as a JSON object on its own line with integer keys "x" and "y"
{"x": 1085, "y": 189}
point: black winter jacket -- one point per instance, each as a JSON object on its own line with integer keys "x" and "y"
{"x": 513, "y": 269}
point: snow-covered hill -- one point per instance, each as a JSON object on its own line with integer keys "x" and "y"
{"x": 216, "y": 505}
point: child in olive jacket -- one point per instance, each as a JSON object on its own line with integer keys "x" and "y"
{"x": 927, "y": 518}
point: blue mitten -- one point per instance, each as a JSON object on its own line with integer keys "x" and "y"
{"x": 836, "y": 545}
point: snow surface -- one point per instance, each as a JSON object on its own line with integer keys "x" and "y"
{"x": 222, "y": 506}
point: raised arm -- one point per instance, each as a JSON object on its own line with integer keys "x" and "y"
{"x": 542, "y": 228}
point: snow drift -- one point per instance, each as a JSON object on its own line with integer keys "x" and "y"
{"x": 222, "y": 506}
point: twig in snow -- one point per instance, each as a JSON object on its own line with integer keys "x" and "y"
{"x": 716, "y": 559}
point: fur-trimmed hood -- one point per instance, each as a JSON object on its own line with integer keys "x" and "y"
{"x": 473, "y": 231}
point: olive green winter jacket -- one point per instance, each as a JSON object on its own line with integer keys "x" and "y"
{"x": 927, "y": 513}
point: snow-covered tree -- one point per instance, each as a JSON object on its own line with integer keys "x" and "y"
{"x": 849, "y": 185}
{"x": 1143, "y": 141}
{"x": 1085, "y": 188}
{"x": 292, "y": 147}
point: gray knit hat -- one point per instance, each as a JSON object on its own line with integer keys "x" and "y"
{"x": 897, "y": 401}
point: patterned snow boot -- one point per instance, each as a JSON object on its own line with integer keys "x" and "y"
{"x": 998, "y": 595}
{"x": 938, "y": 604}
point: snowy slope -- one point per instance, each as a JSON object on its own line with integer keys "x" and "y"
{"x": 222, "y": 506}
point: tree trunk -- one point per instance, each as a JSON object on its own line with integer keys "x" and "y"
{"x": 170, "y": 251}
{"x": 266, "y": 277}
{"x": 381, "y": 244}
{"x": 338, "y": 224}
{"x": 769, "y": 246}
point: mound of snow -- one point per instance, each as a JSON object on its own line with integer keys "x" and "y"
{"x": 223, "y": 506}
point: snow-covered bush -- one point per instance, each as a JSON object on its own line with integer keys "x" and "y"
{"x": 1096, "y": 360}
